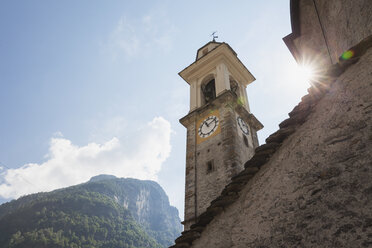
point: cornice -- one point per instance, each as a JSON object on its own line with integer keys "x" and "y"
{"x": 228, "y": 98}
{"x": 222, "y": 53}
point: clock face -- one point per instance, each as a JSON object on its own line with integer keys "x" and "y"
{"x": 242, "y": 125}
{"x": 208, "y": 126}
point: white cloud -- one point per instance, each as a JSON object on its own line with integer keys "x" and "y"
{"x": 139, "y": 36}
{"x": 124, "y": 37}
{"x": 58, "y": 134}
{"x": 68, "y": 164}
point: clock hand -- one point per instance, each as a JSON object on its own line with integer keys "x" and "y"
{"x": 211, "y": 121}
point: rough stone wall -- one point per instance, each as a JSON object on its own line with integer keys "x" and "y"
{"x": 210, "y": 184}
{"x": 316, "y": 190}
{"x": 311, "y": 42}
{"x": 190, "y": 175}
{"x": 228, "y": 154}
{"x": 226, "y": 150}
{"x": 345, "y": 23}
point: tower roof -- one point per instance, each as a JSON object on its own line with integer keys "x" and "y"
{"x": 211, "y": 44}
{"x": 214, "y": 52}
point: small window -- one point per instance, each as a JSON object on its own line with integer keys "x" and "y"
{"x": 245, "y": 140}
{"x": 210, "y": 166}
{"x": 205, "y": 51}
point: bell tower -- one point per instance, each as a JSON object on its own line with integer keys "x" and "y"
{"x": 221, "y": 130}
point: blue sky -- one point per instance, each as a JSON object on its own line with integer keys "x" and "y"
{"x": 90, "y": 87}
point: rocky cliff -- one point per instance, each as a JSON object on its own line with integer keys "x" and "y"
{"x": 146, "y": 201}
{"x": 104, "y": 212}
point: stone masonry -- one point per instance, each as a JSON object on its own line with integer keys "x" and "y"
{"x": 226, "y": 150}
{"x": 310, "y": 185}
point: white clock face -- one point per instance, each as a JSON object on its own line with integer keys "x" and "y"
{"x": 208, "y": 126}
{"x": 242, "y": 125}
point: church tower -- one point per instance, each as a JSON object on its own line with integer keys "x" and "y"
{"x": 221, "y": 130}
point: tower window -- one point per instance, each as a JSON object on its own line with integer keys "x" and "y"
{"x": 210, "y": 166}
{"x": 245, "y": 140}
{"x": 209, "y": 91}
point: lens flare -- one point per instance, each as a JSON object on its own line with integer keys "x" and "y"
{"x": 347, "y": 55}
{"x": 240, "y": 101}
{"x": 304, "y": 73}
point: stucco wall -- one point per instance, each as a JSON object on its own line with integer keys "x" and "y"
{"x": 316, "y": 190}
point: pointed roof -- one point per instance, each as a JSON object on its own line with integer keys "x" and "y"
{"x": 217, "y": 51}
{"x": 212, "y": 43}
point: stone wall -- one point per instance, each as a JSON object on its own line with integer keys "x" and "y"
{"x": 345, "y": 23}
{"x": 311, "y": 43}
{"x": 189, "y": 216}
{"x": 327, "y": 28}
{"x": 310, "y": 185}
{"x": 226, "y": 149}
{"x": 316, "y": 189}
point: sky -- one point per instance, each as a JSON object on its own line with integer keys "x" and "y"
{"x": 92, "y": 87}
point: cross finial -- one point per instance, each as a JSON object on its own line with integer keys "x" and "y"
{"x": 214, "y": 35}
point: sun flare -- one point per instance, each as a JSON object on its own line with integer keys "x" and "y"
{"x": 304, "y": 73}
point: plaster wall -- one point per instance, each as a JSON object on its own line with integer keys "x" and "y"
{"x": 222, "y": 79}
{"x": 316, "y": 190}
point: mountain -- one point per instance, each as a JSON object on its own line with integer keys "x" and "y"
{"x": 104, "y": 212}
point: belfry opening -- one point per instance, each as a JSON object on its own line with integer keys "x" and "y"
{"x": 209, "y": 91}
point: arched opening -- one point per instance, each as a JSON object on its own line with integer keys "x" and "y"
{"x": 209, "y": 90}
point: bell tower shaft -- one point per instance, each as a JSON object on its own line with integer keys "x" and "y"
{"x": 221, "y": 132}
